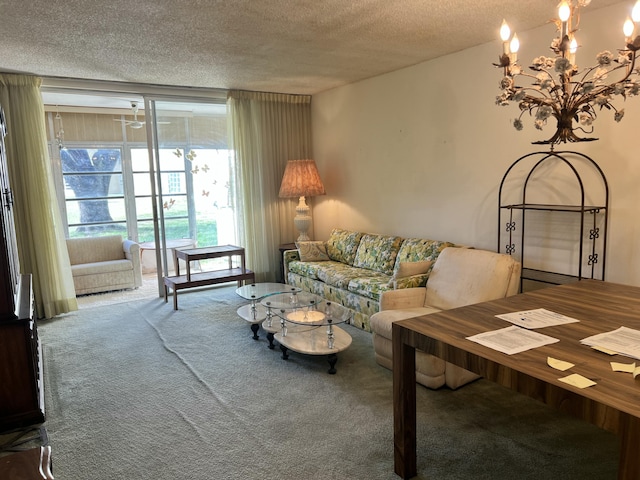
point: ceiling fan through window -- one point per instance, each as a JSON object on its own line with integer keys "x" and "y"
{"x": 135, "y": 123}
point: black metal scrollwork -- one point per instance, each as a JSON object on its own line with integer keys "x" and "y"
{"x": 593, "y": 259}
{"x": 594, "y": 233}
{"x": 8, "y": 198}
{"x": 511, "y": 226}
{"x": 510, "y": 249}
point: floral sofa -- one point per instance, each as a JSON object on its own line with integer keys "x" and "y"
{"x": 354, "y": 268}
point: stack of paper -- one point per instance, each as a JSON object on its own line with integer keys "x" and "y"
{"x": 538, "y": 318}
{"x": 625, "y": 341}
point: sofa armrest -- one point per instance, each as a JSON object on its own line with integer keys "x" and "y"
{"x": 287, "y": 257}
{"x": 403, "y": 298}
{"x": 131, "y": 251}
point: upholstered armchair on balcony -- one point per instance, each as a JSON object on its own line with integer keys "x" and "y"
{"x": 460, "y": 276}
{"x": 102, "y": 264}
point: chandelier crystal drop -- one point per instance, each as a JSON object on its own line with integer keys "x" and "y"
{"x": 559, "y": 88}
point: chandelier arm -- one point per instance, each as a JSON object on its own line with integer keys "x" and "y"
{"x": 543, "y": 93}
{"x": 556, "y": 87}
{"x": 583, "y": 130}
{"x": 627, "y": 74}
{"x": 575, "y": 99}
{"x": 629, "y": 67}
{"x": 538, "y": 100}
{"x": 587, "y": 72}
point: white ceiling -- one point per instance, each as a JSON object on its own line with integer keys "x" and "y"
{"x": 290, "y": 46}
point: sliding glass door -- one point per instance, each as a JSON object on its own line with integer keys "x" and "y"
{"x": 192, "y": 178}
{"x": 160, "y": 175}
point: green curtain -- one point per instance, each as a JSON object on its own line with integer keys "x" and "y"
{"x": 266, "y": 130}
{"x": 42, "y": 247}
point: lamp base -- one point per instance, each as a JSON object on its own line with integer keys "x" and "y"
{"x": 302, "y": 220}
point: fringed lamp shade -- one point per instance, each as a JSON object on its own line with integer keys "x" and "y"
{"x": 301, "y": 179}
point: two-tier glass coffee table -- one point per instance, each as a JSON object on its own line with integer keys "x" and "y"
{"x": 253, "y": 312}
{"x": 306, "y": 323}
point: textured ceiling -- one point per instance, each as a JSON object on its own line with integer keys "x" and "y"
{"x": 294, "y": 46}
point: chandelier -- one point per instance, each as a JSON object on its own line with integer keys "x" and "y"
{"x": 559, "y": 88}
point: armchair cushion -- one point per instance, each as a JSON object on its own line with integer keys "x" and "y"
{"x": 466, "y": 276}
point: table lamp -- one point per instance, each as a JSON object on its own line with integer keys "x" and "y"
{"x": 301, "y": 179}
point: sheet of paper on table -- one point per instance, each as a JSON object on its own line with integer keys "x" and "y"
{"x": 625, "y": 341}
{"x": 537, "y": 318}
{"x": 512, "y": 340}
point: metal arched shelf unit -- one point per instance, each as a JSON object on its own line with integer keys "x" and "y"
{"x": 512, "y": 216}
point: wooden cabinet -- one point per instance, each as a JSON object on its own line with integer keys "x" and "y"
{"x": 21, "y": 386}
{"x": 21, "y": 391}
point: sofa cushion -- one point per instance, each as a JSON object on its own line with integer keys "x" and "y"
{"x": 95, "y": 249}
{"x": 419, "y": 249}
{"x": 312, "y": 251}
{"x": 339, "y": 275}
{"x": 310, "y": 269}
{"x": 370, "y": 287}
{"x": 101, "y": 267}
{"x": 377, "y": 252}
{"x": 343, "y": 245}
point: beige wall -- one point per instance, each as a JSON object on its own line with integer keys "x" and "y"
{"x": 421, "y": 151}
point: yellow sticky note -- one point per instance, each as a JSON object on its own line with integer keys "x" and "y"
{"x": 559, "y": 364}
{"x": 577, "y": 381}
{"x": 626, "y": 368}
{"x": 623, "y": 367}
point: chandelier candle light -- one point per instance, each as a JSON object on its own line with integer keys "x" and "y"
{"x": 559, "y": 88}
{"x": 301, "y": 179}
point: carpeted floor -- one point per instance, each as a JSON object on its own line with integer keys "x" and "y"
{"x": 139, "y": 391}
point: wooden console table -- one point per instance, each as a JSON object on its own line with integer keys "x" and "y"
{"x": 190, "y": 280}
{"x": 611, "y": 404}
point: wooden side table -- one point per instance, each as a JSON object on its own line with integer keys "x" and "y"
{"x": 200, "y": 279}
{"x": 283, "y": 248}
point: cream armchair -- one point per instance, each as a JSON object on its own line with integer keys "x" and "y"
{"x": 460, "y": 277}
{"x": 102, "y": 264}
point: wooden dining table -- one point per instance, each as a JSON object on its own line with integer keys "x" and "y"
{"x": 613, "y": 403}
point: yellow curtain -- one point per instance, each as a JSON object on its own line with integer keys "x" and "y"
{"x": 42, "y": 248}
{"x": 266, "y": 130}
